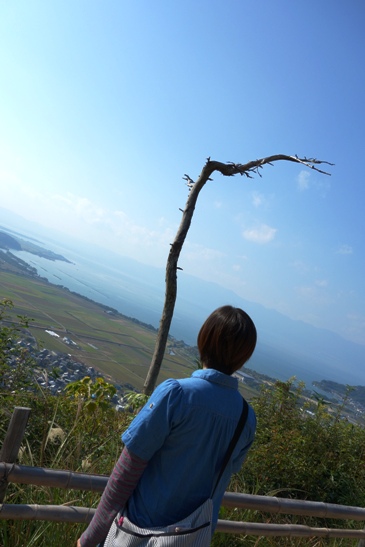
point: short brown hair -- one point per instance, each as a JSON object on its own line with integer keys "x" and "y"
{"x": 227, "y": 339}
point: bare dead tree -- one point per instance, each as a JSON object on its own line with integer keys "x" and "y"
{"x": 228, "y": 169}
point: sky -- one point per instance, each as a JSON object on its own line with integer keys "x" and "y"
{"x": 106, "y": 105}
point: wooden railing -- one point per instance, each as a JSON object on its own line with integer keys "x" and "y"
{"x": 10, "y": 472}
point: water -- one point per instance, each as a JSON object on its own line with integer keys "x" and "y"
{"x": 101, "y": 283}
{"x": 143, "y": 300}
{"x": 136, "y": 290}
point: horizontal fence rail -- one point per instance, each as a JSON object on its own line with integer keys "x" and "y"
{"x": 285, "y": 530}
{"x": 274, "y": 505}
{"x": 39, "y": 476}
{"x": 83, "y": 515}
{"x": 54, "y": 513}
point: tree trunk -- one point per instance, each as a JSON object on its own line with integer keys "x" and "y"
{"x": 226, "y": 169}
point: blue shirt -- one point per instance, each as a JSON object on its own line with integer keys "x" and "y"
{"x": 184, "y": 431}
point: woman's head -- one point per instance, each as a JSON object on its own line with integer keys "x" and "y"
{"x": 227, "y": 339}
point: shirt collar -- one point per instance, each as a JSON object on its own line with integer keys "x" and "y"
{"x": 216, "y": 377}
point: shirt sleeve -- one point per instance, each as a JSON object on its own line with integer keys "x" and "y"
{"x": 121, "y": 484}
{"x": 153, "y": 423}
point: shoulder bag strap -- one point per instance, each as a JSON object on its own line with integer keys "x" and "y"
{"x": 232, "y": 444}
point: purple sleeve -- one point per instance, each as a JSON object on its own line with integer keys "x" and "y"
{"x": 121, "y": 483}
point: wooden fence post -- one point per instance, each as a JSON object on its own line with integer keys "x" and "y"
{"x": 13, "y": 440}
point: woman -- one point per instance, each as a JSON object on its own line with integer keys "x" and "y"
{"x": 173, "y": 449}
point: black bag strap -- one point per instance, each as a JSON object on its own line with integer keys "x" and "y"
{"x": 236, "y": 435}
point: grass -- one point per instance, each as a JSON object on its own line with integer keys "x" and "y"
{"x": 92, "y": 444}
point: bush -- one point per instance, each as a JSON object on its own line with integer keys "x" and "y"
{"x": 301, "y": 451}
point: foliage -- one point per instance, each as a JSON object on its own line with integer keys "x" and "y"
{"x": 15, "y": 361}
{"x": 63, "y": 432}
{"x": 56, "y": 438}
{"x": 136, "y": 400}
{"x": 357, "y": 392}
{"x": 68, "y": 431}
{"x": 303, "y": 449}
{"x": 91, "y": 395}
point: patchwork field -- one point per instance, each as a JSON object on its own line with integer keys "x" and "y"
{"x": 113, "y": 344}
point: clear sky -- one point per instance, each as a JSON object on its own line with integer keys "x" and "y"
{"x": 105, "y": 105}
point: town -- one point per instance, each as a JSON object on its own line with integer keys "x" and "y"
{"x": 53, "y": 370}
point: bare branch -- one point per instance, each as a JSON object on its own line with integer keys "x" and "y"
{"x": 228, "y": 169}
{"x": 188, "y": 179}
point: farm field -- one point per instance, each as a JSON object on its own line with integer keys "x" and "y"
{"x": 111, "y": 343}
{"x": 119, "y": 347}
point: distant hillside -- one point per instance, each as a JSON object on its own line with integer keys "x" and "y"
{"x": 9, "y": 242}
{"x": 13, "y": 264}
{"x": 357, "y": 393}
{"x": 285, "y": 347}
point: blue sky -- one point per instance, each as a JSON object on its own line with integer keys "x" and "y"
{"x": 105, "y": 105}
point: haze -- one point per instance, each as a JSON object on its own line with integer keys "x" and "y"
{"x": 105, "y": 106}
